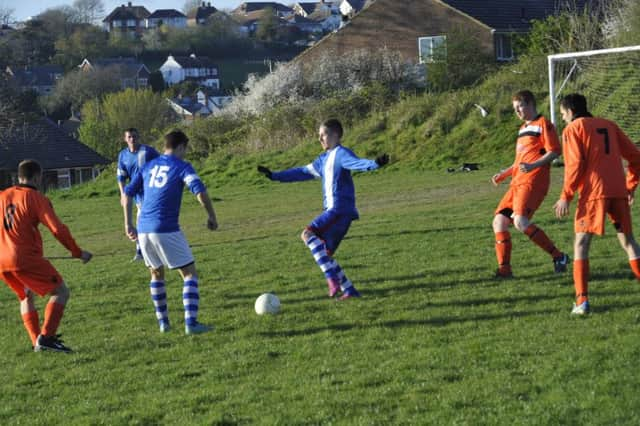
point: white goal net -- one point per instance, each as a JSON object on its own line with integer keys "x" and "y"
{"x": 610, "y": 80}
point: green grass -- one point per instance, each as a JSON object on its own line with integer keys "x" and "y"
{"x": 434, "y": 340}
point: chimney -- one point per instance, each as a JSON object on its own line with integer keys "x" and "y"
{"x": 204, "y": 4}
{"x": 209, "y": 4}
{"x": 129, "y": 4}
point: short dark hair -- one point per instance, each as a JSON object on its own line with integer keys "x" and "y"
{"x": 28, "y": 169}
{"x": 131, "y": 130}
{"x": 174, "y": 139}
{"x": 334, "y": 126}
{"x": 525, "y": 96}
{"x": 576, "y": 103}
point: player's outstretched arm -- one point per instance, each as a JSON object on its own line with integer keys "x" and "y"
{"x": 350, "y": 161}
{"x": 296, "y": 174}
{"x": 47, "y": 216}
{"x": 205, "y": 201}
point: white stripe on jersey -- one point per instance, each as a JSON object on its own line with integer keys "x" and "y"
{"x": 141, "y": 158}
{"x": 121, "y": 172}
{"x": 532, "y": 129}
{"x": 328, "y": 177}
{"x": 190, "y": 178}
{"x": 313, "y": 170}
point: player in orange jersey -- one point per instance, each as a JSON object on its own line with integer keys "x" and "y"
{"x": 22, "y": 265}
{"x": 593, "y": 153}
{"x": 537, "y": 146}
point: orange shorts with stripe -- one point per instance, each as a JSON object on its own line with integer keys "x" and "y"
{"x": 590, "y": 215}
{"x": 521, "y": 200}
{"x": 42, "y": 279}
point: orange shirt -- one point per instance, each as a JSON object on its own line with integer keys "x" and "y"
{"x": 535, "y": 139}
{"x": 593, "y": 153}
{"x": 23, "y": 208}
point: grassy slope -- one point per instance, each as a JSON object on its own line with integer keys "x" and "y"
{"x": 434, "y": 340}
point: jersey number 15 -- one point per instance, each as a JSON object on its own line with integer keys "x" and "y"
{"x": 159, "y": 176}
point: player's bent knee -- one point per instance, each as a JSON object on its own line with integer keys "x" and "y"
{"x": 500, "y": 223}
{"x": 307, "y": 234}
{"x": 521, "y": 223}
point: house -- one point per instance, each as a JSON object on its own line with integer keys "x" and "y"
{"x": 133, "y": 74}
{"x": 169, "y": 17}
{"x": 180, "y": 68}
{"x": 348, "y": 8}
{"x": 128, "y": 20}
{"x": 303, "y": 24}
{"x": 200, "y": 14}
{"x": 215, "y": 100}
{"x": 325, "y": 13}
{"x": 206, "y": 102}
{"x": 6, "y": 30}
{"x": 279, "y": 9}
{"x": 416, "y": 28}
{"x": 40, "y": 79}
{"x": 64, "y": 159}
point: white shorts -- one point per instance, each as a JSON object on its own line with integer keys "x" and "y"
{"x": 168, "y": 249}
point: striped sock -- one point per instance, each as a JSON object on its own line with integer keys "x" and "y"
{"x": 159, "y": 297}
{"x": 190, "y": 299}
{"x": 345, "y": 282}
{"x": 326, "y": 263}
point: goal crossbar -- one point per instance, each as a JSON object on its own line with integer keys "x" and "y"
{"x": 551, "y": 59}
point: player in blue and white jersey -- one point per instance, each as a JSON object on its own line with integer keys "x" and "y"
{"x": 325, "y": 232}
{"x": 130, "y": 160}
{"x": 162, "y": 242}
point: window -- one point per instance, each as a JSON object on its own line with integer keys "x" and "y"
{"x": 131, "y": 23}
{"x": 142, "y": 82}
{"x": 432, "y": 49}
{"x": 504, "y": 47}
{"x": 64, "y": 179}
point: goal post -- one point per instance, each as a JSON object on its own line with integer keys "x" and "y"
{"x": 609, "y": 78}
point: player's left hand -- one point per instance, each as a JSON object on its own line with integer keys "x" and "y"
{"x": 131, "y": 232}
{"x": 630, "y": 198}
{"x": 382, "y": 160}
{"x": 212, "y": 223}
{"x": 265, "y": 171}
{"x": 525, "y": 167}
{"x": 561, "y": 208}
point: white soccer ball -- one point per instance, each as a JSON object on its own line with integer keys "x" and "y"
{"x": 267, "y": 304}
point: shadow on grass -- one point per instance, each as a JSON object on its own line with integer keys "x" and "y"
{"x": 407, "y": 323}
{"x": 454, "y": 229}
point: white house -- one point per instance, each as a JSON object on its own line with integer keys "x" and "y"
{"x": 351, "y": 7}
{"x": 214, "y": 100}
{"x": 177, "y": 69}
{"x": 168, "y": 17}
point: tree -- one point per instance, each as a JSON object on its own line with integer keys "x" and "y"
{"x": 103, "y": 121}
{"x": 6, "y": 15}
{"x": 32, "y": 45}
{"x": 86, "y": 41}
{"x": 88, "y": 11}
{"x": 190, "y": 5}
{"x": 267, "y": 26}
{"x": 78, "y": 86}
{"x": 156, "y": 81}
{"x": 59, "y": 22}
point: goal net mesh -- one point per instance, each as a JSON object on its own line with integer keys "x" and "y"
{"x": 610, "y": 82}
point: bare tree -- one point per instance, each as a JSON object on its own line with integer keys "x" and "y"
{"x": 6, "y": 15}
{"x": 88, "y": 11}
{"x": 190, "y": 5}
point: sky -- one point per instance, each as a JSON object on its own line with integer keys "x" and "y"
{"x": 22, "y": 9}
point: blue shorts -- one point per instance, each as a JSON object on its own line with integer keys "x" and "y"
{"x": 331, "y": 226}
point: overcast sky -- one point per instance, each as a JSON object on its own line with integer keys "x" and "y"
{"x": 22, "y": 9}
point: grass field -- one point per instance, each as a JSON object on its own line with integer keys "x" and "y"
{"x": 434, "y": 340}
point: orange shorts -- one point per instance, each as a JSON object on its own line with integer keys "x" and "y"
{"x": 521, "y": 200}
{"x": 590, "y": 215}
{"x": 42, "y": 279}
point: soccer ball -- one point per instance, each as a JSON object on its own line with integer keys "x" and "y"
{"x": 267, "y": 304}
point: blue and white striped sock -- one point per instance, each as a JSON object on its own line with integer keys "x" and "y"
{"x": 345, "y": 282}
{"x": 326, "y": 263}
{"x": 190, "y": 299}
{"x": 159, "y": 297}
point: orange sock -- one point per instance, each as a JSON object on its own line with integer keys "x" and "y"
{"x": 32, "y": 324}
{"x": 635, "y": 267}
{"x": 503, "y": 251}
{"x": 581, "y": 279}
{"x": 52, "y": 316}
{"x": 538, "y": 236}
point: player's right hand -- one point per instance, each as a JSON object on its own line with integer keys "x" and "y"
{"x": 85, "y": 256}
{"x": 265, "y": 171}
{"x": 495, "y": 179}
{"x": 131, "y": 232}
